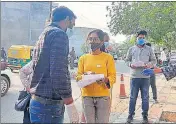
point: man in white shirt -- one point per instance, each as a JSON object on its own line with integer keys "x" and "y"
{"x": 163, "y": 57}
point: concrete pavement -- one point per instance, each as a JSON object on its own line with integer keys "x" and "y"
{"x": 166, "y": 98}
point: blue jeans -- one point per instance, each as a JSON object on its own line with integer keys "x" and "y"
{"x": 46, "y": 113}
{"x": 141, "y": 84}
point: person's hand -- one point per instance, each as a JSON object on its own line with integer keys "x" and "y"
{"x": 133, "y": 66}
{"x": 78, "y": 77}
{"x": 147, "y": 66}
{"x": 106, "y": 80}
{"x": 28, "y": 89}
{"x": 103, "y": 80}
{"x": 68, "y": 101}
{"x": 100, "y": 81}
{"x": 72, "y": 113}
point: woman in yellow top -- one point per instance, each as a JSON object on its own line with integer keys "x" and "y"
{"x": 96, "y": 97}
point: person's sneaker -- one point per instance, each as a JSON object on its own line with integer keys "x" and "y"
{"x": 155, "y": 101}
{"x": 129, "y": 119}
{"x": 145, "y": 120}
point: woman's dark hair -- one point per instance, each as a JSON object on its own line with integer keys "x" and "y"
{"x": 99, "y": 32}
{"x": 61, "y": 13}
{"x": 143, "y": 32}
{"x": 106, "y": 34}
{"x": 103, "y": 48}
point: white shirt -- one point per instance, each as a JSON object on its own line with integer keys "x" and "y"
{"x": 163, "y": 56}
{"x": 26, "y": 74}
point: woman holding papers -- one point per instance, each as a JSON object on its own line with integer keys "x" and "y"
{"x": 97, "y": 64}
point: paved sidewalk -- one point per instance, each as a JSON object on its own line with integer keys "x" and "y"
{"x": 166, "y": 98}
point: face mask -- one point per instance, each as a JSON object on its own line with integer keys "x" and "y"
{"x": 141, "y": 42}
{"x": 69, "y": 32}
{"x": 106, "y": 44}
{"x": 95, "y": 46}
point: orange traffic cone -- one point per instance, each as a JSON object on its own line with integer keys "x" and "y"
{"x": 122, "y": 88}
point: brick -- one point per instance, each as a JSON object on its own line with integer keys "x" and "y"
{"x": 168, "y": 116}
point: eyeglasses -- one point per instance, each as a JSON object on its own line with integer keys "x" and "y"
{"x": 93, "y": 39}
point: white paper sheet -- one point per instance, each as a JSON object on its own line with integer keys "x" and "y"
{"x": 89, "y": 79}
{"x": 138, "y": 64}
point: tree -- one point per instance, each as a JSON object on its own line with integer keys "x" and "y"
{"x": 126, "y": 45}
{"x": 157, "y": 18}
{"x": 169, "y": 40}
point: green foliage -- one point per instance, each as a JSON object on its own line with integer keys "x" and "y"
{"x": 121, "y": 49}
{"x": 132, "y": 39}
{"x": 157, "y": 18}
{"x": 169, "y": 40}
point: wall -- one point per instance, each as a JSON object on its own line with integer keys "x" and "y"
{"x": 22, "y": 22}
{"x": 78, "y": 38}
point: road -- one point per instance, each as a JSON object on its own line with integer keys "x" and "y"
{"x": 121, "y": 67}
{"x": 8, "y": 113}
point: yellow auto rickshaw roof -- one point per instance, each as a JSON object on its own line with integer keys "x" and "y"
{"x": 24, "y": 51}
{"x": 20, "y": 47}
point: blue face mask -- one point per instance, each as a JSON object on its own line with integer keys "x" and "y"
{"x": 69, "y": 32}
{"x": 140, "y": 42}
{"x": 106, "y": 44}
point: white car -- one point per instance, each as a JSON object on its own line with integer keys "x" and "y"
{"x": 5, "y": 81}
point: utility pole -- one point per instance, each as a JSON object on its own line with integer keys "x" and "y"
{"x": 52, "y": 6}
{"x": 50, "y": 13}
{"x": 30, "y": 23}
{"x": 50, "y": 10}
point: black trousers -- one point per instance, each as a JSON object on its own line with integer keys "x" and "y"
{"x": 153, "y": 86}
{"x": 26, "y": 118}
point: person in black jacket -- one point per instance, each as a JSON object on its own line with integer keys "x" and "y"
{"x": 51, "y": 85}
